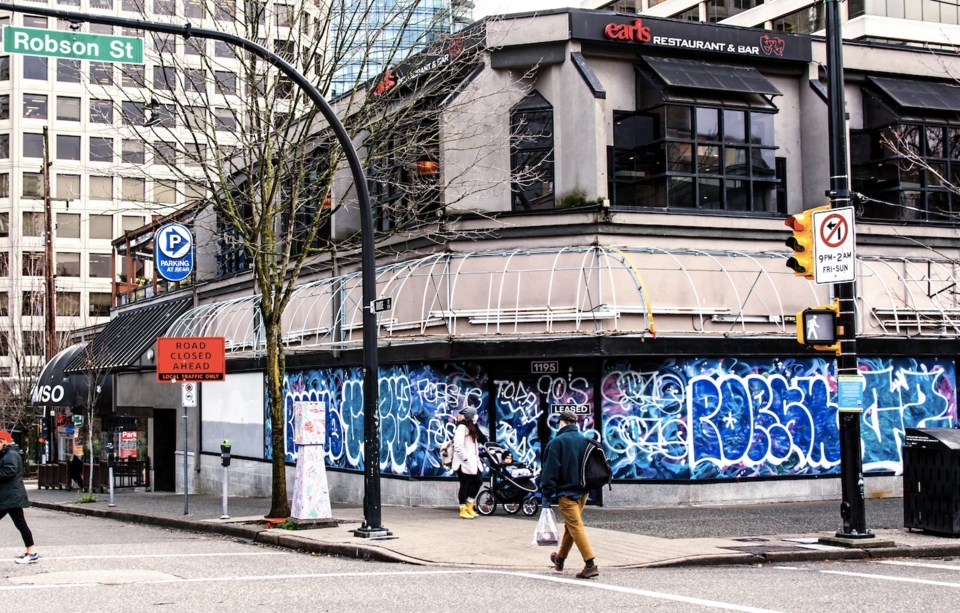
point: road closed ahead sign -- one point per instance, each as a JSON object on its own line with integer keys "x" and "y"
{"x": 190, "y": 359}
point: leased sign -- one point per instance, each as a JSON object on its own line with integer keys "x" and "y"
{"x": 191, "y": 359}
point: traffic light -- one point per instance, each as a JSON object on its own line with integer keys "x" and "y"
{"x": 802, "y": 262}
{"x": 817, "y": 327}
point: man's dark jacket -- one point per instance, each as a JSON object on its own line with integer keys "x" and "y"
{"x": 561, "y": 464}
{"x": 12, "y": 493}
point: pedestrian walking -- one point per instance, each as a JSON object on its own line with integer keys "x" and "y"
{"x": 560, "y": 482}
{"x": 466, "y": 461}
{"x": 13, "y": 496}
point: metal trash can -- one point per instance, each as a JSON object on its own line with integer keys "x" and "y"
{"x": 931, "y": 480}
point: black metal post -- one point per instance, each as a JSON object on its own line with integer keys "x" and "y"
{"x": 852, "y": 510}
{"x": 371, "y": 415}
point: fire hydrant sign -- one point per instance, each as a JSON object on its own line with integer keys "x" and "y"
{"x": 833, "y": 246}
{"x": 186, "y": 358}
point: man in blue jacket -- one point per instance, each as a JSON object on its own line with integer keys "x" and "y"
{"x": 560, "y": 482}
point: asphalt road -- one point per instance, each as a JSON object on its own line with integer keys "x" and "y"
{"x": 92, "y": 564}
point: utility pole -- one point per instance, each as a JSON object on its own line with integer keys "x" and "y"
{"x": 50, "y": 297}
{"x": 852, "y": 510}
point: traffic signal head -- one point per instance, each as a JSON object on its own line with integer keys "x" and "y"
{"x": 817, "y": 327}
{"x": 802, "y": 262}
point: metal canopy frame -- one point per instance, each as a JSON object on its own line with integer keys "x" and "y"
{"x": 591, "y": 290}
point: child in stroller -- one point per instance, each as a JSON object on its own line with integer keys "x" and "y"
{"x": 510, "y": 483}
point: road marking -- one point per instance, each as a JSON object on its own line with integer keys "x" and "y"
{"x": 921, "y": 565}
{"x": 163, "y": 555}
{"x": 890, "y": 578}
{"x": 638, "y": 592}
{"x": 576, "y": 582}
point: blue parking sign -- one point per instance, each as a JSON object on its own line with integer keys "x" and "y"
{"x": 173, "y": 252}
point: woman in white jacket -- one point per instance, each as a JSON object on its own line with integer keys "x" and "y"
{"x": 466, "y": 461}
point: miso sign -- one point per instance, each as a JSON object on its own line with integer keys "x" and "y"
{"x": 190, "y": 359}
{"x": 73, "y": 45}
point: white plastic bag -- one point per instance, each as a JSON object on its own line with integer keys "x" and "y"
{"x": 546, "y": 533}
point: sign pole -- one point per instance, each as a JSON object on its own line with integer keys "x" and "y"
{"x": 852, "y": 511}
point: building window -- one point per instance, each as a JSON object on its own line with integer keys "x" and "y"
{"x": 132, "y": 113}
{"x": 32, "y": 264}
{"x": 804, "y": 21}
{"x": 4, "y": 225}
{"x": 225, "y": 119}
{"x": 5, "y": 106}
{"x": 132, "y": 151}
{"x": 226, "y": 82}
{"x": 68, "y": 109}
{"x": 4, "y": 304}
{"x": 193, "y": 9}
{"x": 164, "y": 153}
{"x": 101, "y": 227}
{"x": 68, "y": 225}
{"x": 5, "y": 147}
{"x": 100, "y": 265}
{"x": 679, "y": 156}
{"x": 101, "y": 149}
{"x": 32, "y": 145}
{"x": 531, "y": 154}
{"x": 133, "y": 75}
{"x": 101, "y": 188}
{"x": 165, "y": 192}
{"x": 130, "y": 223}
{"x": 101, "y": 73}
{"x": 68, "y": 71}
{"x": 32, "y": 185}
{"x": 100, "y": 304}
{"x": 68, "y": 147}
{"x": 33, "y": 341}
{"x": 101, "y": 111}
{"x": 4, "y": 185}
{"x": 68, "y": 187}
{"x": 34, "y": 106}
{"x": 5, "y": 68}
{"x": 194, "y": 80}
{"x": 164, "y": 77}
{"x": 32, "y": 223}
{"x": 164, "y": 7}
{"x": 31, "y": 304}
{"x": 68, "y": 264}
{"x": 34, "y": 68}
{"x": 133, "y": 189}
{"x": 68, "y": 304}
{"x": 225, "y": 10}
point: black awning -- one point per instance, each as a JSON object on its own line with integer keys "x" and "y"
{"x": 128, "y": 335}
{"x": 714, "y": 77}
{"x": 929, "y": 95}
{"x": 54, "y": 387}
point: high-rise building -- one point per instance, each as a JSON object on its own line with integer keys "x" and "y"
{"x": 894, "y": 21}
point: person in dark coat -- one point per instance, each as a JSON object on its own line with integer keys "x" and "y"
{"x": 560, "y": 482}
{"x": 76, "y": 470}
{"x": 13, "y": 496}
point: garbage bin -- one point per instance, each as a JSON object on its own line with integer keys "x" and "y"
{"x": 931, "y": 480}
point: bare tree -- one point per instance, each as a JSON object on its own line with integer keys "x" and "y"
{"x": 224, "y": 126}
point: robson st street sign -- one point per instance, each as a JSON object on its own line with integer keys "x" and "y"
{"x": 73, "y": 45}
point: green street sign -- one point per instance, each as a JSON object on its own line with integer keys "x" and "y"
{"x": 73, "y": 45}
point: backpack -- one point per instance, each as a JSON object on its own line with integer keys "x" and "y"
{"x": 446, "y": 453}
{"x": 594, "y": 469}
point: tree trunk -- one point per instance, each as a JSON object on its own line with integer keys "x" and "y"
{"x": 279, "y": 505}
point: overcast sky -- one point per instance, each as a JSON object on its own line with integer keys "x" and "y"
{"x": 498, "y": 7}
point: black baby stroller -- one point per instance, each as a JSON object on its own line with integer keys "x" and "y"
{"x": 511, "y": 483}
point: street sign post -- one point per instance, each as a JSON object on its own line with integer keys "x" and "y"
{"x": 833, "y": 252}
{"x": 73, "y": 45}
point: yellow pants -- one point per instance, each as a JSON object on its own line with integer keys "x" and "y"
{"x": 571, "y": 510}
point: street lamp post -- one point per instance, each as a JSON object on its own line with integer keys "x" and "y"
{"x": 371, "y": 415}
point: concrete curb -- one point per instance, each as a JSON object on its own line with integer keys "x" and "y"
{"x": 276, "y": 538}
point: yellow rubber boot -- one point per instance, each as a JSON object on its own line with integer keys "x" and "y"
{"x": 471, "y": 509}
{"x": 463, "y": 512}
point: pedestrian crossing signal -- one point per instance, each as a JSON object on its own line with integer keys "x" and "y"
{"x": 817, "y": 328}
{"x": 802, "y": 262}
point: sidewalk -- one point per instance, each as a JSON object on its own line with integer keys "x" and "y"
{"x": 437, "y": 536}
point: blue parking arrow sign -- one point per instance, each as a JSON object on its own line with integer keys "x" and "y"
{"x": 173, "y": 252}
